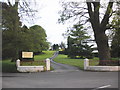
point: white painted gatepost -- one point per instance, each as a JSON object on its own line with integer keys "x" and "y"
{"x": 33, "y": 68}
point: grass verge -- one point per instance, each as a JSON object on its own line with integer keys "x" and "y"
{"x": 47, "y": 54}
{"x": 74, "y": 62}
{"x": 77, "y": 62}
{"x": 8, "y": 66}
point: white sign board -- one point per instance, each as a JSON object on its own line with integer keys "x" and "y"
{"x": 27, "y": 54}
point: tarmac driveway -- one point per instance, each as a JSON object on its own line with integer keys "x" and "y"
{"x": 58, "y": 67}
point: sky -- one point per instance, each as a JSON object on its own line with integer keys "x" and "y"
{"x": 47, "y": 17}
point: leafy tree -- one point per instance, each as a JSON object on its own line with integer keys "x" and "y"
{"x": 13, "y": 41}
{"x": 91, "y": 11}
{"x": 17, "y": 38}
{"x": 11, "y": 20}
{"x": 76, "y": 43}
{"x": 33, "y": 39}
{"x": 116, "y": 44}
{"x": 11, "y": 27}
{"x": 38, "y": 37}
{"x": 55, "y": 47}
{"x": 115, "y": 48}
{"x": 62, "y": 46}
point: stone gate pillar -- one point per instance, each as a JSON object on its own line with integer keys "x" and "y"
{"x": 47, "y": 64}
{"x": 86, "y": 63}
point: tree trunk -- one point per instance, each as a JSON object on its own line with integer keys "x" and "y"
{"x": 99, "y": 29}
{"x": 103, "y": 47}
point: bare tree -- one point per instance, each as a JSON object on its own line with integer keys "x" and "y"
{"x": 23, "y": 7}
{"x": 91, "y": 11}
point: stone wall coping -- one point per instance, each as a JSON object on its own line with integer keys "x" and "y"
{"x": 105, "y": 66}
{"x": 30, "y": 66}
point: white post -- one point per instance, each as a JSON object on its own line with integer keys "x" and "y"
{"x": 86, "y": 63}
{"x": 18, "y": 63}
{"x": 47, "y": 64}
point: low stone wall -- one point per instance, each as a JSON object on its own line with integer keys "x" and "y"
{"x": 32, "y": 68}
{"x": 99, "y": 68}
{"x": 104, "y": 68}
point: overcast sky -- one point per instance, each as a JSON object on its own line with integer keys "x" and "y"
{"x": 47, "y": 17}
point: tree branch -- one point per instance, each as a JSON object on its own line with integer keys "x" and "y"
{"x": 105, "y": 19}
{"x": 90, "y": 11}
{"x": 96, "y": 12}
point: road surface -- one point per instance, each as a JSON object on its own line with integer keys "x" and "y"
{"x": 72, "y": 79}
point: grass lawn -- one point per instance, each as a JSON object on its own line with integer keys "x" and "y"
{"x": 74, "y": 62}
{"x": 8, "y": 66}
{"x": 47, "y": 54}
{"x": 77, "y": 62}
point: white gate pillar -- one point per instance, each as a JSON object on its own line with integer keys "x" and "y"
{"x": 86, "y": 63}
{"x": 18, "y": 63}
{"x": 47, "y": 64}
